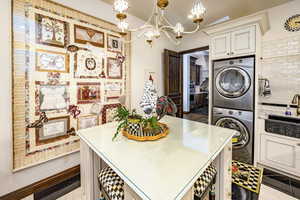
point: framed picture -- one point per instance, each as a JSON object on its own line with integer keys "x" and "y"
{"x": 114, "y": 44}
{"x": 87, "y": 121}
{"x": 84, "y": 35}
{"x": 88, "y": 93}
{"x": 51, "y": 98}
{"x": 113, "y": 89}
{"x": 51, "y": 31}
{"x": 53, "y": 130}
{"x": 114, "y": 69}
{"x": 87, "y": 65}
{"x": 115, "y": 99}
{"x": 51, "y": 61}
{"x": 108, "y": 112}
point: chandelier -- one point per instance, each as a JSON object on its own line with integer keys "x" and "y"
{"x": 158, "y": 23}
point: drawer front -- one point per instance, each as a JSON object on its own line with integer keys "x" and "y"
{"x": 283, "y": 154}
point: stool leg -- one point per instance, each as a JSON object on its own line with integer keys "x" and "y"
{"x": 101, "y": 197}
{"x": 212, "y": 194}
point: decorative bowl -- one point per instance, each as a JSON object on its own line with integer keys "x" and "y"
{"x": 135, "y": 131}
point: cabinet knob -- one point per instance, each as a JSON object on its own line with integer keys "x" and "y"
{"x": 232, "y": 53}
{"x": 228, "y": 54}
{"x": 298, "y": 144}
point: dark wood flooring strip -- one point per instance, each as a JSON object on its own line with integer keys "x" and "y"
{"x": 43, "y": 184}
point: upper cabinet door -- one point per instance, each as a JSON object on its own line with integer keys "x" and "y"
{"x": 243, "y": 41}
{"x": 221, "y": 46}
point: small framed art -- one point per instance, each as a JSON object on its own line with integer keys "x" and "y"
{"x": 108, "y": 112}
{"x": 87, "y": 65}
{"x": 51, "y": 61}
{"x": 87, "y": 121}
{"x": 53, "y": 130}
{"x": 51, "y": 98}
{"x": 114, "y": 44}
{"x": 84, "y": 35}
{"x": 51, "y": 31}
{"x": 88, "y": 93}
{"x": 114, "y": 69}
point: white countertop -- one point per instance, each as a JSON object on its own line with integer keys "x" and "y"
{"x": 165, "y": 169}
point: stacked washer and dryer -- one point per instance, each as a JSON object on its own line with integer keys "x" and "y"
{"x": 233, "y": 103}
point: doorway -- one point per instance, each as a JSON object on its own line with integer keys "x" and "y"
{"x": 196, "y": 84}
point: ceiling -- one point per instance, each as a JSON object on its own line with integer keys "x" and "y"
{"x": 199, "y": 54}
{"x": 178, "y": 10}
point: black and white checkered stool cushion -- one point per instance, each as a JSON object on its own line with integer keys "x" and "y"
{"x": 205, "y": 180}
{"x": 111, "y": 183}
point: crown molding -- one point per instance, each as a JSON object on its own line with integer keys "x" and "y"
{"x": 260, "y": 18}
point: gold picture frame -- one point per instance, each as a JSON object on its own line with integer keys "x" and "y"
{"x": 91, "y": 33}
{"x": 87, "y": 117}
{"x": 39, "y": 68}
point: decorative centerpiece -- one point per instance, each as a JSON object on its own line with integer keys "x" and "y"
{"x": 147, "y": 127}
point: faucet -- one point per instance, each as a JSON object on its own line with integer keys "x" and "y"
{"x": 296, "y": 100}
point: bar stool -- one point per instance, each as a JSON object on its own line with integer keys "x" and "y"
{"x": 111, "y": 185}
{"x": 205, "y": 183}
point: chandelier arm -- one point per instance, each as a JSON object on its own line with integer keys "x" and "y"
{"x": 194, "y": 31}
{"x": 166, "y": 20}
{"x": 176, "y": 42}
{"x": 136, "y": 38}
{"x": 166, "y": 27}
{"x": 140, "y": 28}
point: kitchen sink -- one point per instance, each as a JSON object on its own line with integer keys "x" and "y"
{"x": 287, "y": 126}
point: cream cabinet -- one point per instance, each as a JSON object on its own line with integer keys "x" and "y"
{"x": 221, "y": 46}
{"x": 239, "y": 42}
{"x": 281, "y": 153}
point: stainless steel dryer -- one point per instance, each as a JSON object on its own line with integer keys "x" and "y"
{"x": 242, "y": 122}
{"x": 234, "y": 83}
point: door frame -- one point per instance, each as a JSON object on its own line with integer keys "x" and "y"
{"x": 181, "y": 53}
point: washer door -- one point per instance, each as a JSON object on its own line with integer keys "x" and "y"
{"x": 233, "y": 82}
{"x": 242, "y": 137}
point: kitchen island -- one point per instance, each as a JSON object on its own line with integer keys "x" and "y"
{"x": 165, "y": 169}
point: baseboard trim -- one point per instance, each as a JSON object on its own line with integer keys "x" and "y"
{"x": 43, "y": 184}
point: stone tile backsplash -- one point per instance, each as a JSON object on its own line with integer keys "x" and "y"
{"x": 281, "y": 65}
{"x": 283, "y": 47}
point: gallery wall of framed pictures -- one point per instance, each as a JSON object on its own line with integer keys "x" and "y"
{"x": 60, "y": 84}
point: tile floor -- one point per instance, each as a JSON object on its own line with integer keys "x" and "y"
{"x": 267, "y": 193}
{"x": 196, "y": 117}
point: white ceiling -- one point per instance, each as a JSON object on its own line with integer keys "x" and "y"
{"x": 178, "y": 10}
{"x": 199, "y": 54}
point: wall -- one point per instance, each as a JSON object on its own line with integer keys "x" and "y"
{"x": 143, "y": 57}
{"x": 186, "y": 83}
{"x": 281, "y": 65}
{"x": 199, "y": 39}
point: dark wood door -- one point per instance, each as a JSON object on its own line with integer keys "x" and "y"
{"x": 173, "y": 78}
{"x": 194, "y": 71}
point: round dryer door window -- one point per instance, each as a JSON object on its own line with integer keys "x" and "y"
{"x": 242, "y": 137}
{"x": 233, "y": 82}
